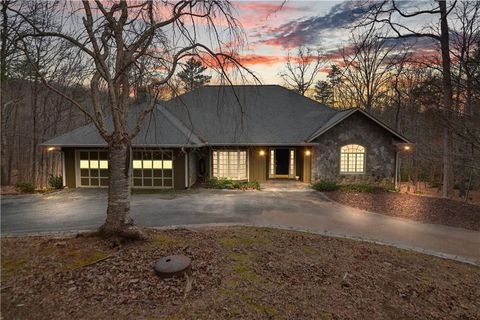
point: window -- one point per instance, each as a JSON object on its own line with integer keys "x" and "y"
{"x": 153, "y": 169}
{"x": 352, "y": 159}
{"x": 93, "y": 168}
{"x": 291, "y": 169}
{"x": 230, "y": 164}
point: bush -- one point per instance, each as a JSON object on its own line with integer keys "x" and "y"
{"x": 325, "y": 186}
{"x": 55, "y": 182}
{"x": 220, "y": 183}
{"x": 247, "y": 185}
{"x": 358, "y": 187}
{"x": 26, "y": 187}
{"x": 225, "y": 183}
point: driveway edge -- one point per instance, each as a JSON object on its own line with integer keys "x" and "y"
{"x": 272, "y": 226}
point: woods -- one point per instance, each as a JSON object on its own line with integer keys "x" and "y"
{"x": 420, "y": 81}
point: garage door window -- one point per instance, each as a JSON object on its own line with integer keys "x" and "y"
{"x": 230, "y": 164}
{"x": 153, "y": 169}
{"x": 93, "y": 168}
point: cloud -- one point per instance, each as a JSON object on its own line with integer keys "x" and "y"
{"x": 255, "y": 59}
{"x": 308, "y": 31}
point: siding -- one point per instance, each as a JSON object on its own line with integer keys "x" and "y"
{"x": 192, "y": 168}
{"x": 307, "y": 165}
{"x": 178, "y": 169}
{"x": 70, "y": 179}
{"x": 257, "y": 164}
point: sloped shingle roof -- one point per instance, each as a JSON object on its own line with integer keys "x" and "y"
{"x": 226, "y": 115}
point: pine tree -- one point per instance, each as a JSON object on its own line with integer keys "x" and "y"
{"x": 323, "y": 92}
{"x": 192, "y": 75}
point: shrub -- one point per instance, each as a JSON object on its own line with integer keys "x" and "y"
{"x": 247, "y": 185}
{"x": 55, "y": 182}
{"x": 220, "y": 183}
{"x": 225, "y": 183}
{"x": 358, "y": 187}
{"x": 26, "y": 187}
{"x": 325, "y": 186}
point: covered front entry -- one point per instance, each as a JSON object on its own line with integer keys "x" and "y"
{"x": 282, "y": 163}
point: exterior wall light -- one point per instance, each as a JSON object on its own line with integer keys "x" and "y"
{"x": 308, "y": 152}
{"x": 262, "y": 152}
{"x": 50, "y": 149}
{"x": 406, "y": 148}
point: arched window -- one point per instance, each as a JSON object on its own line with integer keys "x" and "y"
{"x": 352, "y": 159}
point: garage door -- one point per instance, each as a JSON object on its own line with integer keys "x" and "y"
{"x": 93, "y": 168}
{"x": 153, "y": 169}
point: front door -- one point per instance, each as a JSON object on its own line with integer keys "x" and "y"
{"x": 282, "y": 163}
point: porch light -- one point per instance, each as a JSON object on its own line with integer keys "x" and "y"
{"x": 262, "y": 152}
{"x": 50, "y": 149}
{"x": 308, "y": 152}
{"x": 406, "y": 148}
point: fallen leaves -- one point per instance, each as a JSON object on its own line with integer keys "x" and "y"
{"x": 420, "y": 208}
{"x": 236, "y": 273}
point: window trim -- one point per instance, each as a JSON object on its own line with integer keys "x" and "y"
{"x": 238, "y": 150}
{"x": 77, "y": 167}
{"x": 152, "y": 186}
{"x": 364, "y": 160}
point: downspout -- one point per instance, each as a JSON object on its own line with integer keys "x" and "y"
{"x": 64, "y": 178}
{"x": 186, "y": 168}
{"x": 397, "y": 171}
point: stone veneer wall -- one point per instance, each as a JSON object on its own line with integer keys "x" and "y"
{"x": 356, "y": 129}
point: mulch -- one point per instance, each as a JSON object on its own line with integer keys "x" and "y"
{"x": 420, "y": 208}
{"x": 247, "y": 273}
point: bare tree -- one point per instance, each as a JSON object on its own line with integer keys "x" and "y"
{"x": 390, "y": 15}
{"x": 368, "y": 64}
{"x": 118, "y": 40}
{"x": 302, "y": 69}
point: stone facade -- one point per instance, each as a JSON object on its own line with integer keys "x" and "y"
{"x": 356, "y": 129}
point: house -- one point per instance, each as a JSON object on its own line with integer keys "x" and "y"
{"x": 242, "y": 133}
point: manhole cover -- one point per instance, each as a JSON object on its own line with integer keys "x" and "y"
{"x": 170, "y": 266}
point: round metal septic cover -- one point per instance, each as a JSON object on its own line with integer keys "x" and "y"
{"x": 170, "y": 266}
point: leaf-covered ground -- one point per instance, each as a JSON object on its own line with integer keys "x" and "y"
{"x": 246, "y": 273}
{"x": 420, "y": 208}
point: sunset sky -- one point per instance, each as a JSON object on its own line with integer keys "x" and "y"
{"x": 273, "y": 30}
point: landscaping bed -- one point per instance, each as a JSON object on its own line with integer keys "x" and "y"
{"x": 425, "y": 209}
{"x": 247, "y": 273}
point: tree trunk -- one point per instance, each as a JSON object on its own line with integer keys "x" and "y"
{"x": 447, "y": 99}
{"x": 118, "y": 222}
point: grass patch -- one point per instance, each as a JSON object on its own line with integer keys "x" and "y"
{"x": 225, "y": 183}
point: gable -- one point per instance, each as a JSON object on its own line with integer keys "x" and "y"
{"x": 357, "y": 114}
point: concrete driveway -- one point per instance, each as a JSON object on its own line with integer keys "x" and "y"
{"x": 84, "y": 209}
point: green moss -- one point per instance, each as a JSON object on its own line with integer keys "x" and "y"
{"x": 167, "y": 240}
{"x": 11, "y": 266}
{"x": 244, "y": 240}
{"x": 264, "y": 310}
{"x": 309, "y": 250}
{"x": 240, "y": 257}
{"x": 83, "y": 259}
